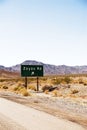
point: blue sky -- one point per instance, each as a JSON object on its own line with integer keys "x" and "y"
{"x": 50, "y": 31}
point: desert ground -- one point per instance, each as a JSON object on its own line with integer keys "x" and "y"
{"x": 63, "y": 97}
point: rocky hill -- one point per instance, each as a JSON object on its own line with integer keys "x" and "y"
{"x": 49, "y": 69}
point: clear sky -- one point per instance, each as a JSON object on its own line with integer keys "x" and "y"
{"x": 50, "y": 31}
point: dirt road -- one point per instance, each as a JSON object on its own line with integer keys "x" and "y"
{"x": 20, "y": 117}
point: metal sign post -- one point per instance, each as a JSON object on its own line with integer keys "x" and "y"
{"x": 26, "y": 82}
{"x": 37, "y": 84}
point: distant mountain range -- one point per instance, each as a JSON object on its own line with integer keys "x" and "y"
{"x": 48, "y": 68}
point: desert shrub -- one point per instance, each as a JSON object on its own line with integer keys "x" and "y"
{"x": 55, "y": 93}
{"x": 15, "y": 88}
{"x": 74, "y": 91}
{"x": 24, "y": 92}
{"x": 67, "y": 79}
{"x": 57, "y": 81}
{"x": 46, "y": 92}
{"x": 85, "y": 84}
{"x": 20, "y": 84}
{"x": 18, "y": 88}
{"x": 2, "y": 80}
{"x": 32, "y": 87}
{"x": 64, "y": 80}
{"x": 81, "y": 81}
{"x": 5, "y": 87}
{"x": 44, "y": 79}
{"x": 46, "y": 87}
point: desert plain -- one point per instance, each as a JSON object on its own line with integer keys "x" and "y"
{"x": 63, "y": 97}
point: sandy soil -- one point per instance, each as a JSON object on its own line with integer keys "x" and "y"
{"x": 31, "y": 119}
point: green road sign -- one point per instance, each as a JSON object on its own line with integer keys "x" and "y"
{"x": 31, "y": 70}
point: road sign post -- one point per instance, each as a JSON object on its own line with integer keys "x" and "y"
{"x": 32, "y": 71}
{"x": 37, "y": 84}
{"x": 26, "y": 82}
